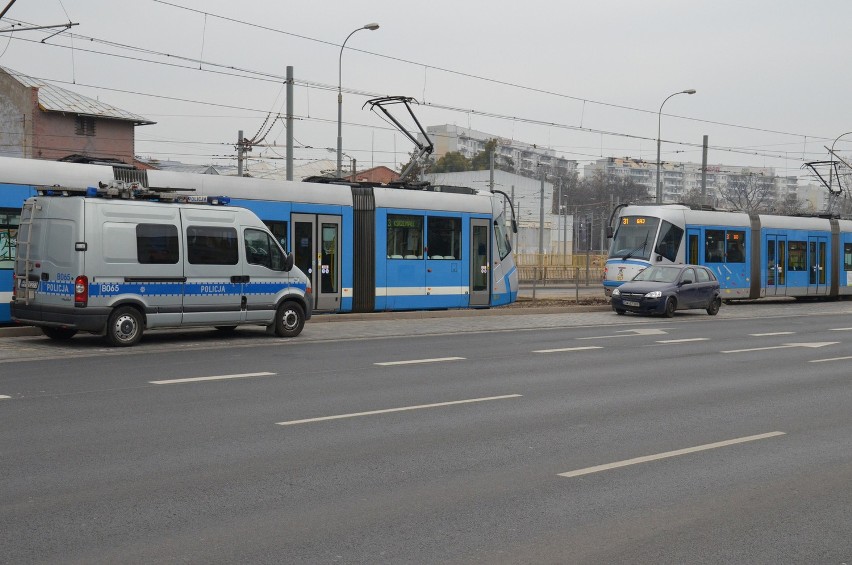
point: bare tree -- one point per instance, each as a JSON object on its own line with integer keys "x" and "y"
{"x": 748, "y": 192}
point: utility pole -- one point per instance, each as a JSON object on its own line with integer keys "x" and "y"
{"x": 540, "y": 233}
{"x": 289, "y": 123}
{"x": 241, "y": 149}
{"x": 704, "y": 172}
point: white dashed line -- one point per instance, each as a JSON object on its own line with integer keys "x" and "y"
{"x": 415, "y": 361}
{"x": 216, "y": 378}
{"x": 388, "y": 410}
{"x": 667, "y": 454}
{"x": 567, "y": 349}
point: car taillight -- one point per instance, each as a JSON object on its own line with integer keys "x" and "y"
{"x": 81, "y": 291}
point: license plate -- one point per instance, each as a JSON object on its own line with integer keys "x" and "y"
{"x": 27, "y": 284}
{"x": 631, "y": 303}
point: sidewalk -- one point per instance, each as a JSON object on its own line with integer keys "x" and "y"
{"x": 554, "y": 299}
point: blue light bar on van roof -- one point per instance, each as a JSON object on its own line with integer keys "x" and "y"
{"x": 219, "y": 200}
{"x": 91, "y": 191}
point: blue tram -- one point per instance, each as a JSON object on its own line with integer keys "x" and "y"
{"x": 366, "y": 248}
{"x": 753, "y": 255}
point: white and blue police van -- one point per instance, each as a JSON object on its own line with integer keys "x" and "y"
{"x": 120, "y": 259}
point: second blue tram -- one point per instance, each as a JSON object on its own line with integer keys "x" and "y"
{"x": 753, "y": 255}
{"x": 365, "y": 248}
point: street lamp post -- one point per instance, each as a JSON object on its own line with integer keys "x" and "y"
{"x": 659, "y": 120}
{"x": 831, "y": 169}
{"x": 371, "y": 27}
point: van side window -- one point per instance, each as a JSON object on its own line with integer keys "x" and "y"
{"x": 208, "y": 245}
{"x": 261, "y": 250}
{"x": 157, "y": 244}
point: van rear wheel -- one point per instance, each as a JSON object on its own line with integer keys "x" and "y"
{"x": 124, "y": 327}
{"x": 59, "y": 334}
{"x": 289, "y": 320}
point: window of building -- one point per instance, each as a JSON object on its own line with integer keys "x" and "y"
{"x": 444, "y": 238}
{"x": 157, "y": 244}
{"x": 405, "y": 237}
{"x": 85, "y": 126}
{"x": 208, "y": 245}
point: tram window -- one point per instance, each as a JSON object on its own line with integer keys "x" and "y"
{"x": 443, "y": 236}
{"x": 279, "y": 230}
{"x": 714, "y": 246}
{"x": 9, "y": 220}
{"x": 211, "y": 246}
{"x": 734, "y": 252}
{"x": 405, "y": 237}
{"x": 669, "y": 245}
{"x": 847, "y": 256}
{"x": 156, "y": 244}
{"x": 504, "y": 245}
{"x": 797, "y": 256}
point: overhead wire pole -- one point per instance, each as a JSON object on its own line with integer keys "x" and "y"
{"x": 289, "y": 123}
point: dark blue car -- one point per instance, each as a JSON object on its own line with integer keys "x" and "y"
{"x": 662, "y": 289}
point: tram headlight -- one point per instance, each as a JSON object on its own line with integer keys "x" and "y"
{"x": 654, "y": 294}
{"x": 616, "y": 292}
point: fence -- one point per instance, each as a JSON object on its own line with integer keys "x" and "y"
{"x": 577, "y": 268}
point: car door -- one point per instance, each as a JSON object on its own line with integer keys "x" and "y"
{"x": 704, "y": 287}
{"x": 687, "y": 289}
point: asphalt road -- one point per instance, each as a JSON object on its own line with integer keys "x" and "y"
{"x": 556, "y": 438}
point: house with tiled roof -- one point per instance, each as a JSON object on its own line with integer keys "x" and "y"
{"x": 41, "y": 121}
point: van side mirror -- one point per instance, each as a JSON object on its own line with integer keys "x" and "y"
{"x": 288, "y": 262}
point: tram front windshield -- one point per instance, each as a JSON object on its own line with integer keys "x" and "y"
{"x": 634, "y": 238}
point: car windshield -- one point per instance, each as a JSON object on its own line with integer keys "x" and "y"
{"x": 658, "y": 274}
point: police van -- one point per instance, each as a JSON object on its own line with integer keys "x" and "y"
{"x": 120, "y": 259}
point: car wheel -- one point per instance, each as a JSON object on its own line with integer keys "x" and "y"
{"x": 713, "y": 309}
{"x": 289, "y": 320}
{"x": 619, "y": 311}
{"x": 124, "y": 327}
{"x": 671, "y": 306}
{"x": 59, "y": 334}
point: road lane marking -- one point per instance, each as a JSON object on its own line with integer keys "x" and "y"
{"x": 685, "y": 340}
{"x": 785, "y": 346}
{"x": 216, "y": 378}
{"x": 568, "y": 349}
{"x": 2, "y": 396}
{"x": 635, "y": 332}
{"x": 415, "y": 361}
{"x": 840, "y": 330}
{"x": 827, "y": 360}
{"x": 667, "y": 454}
{"x": 402, "y": 409}
{"x": 771, "y": 333}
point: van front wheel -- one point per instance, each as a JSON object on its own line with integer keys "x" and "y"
{"x": 124, "y": 327}
{"x": 289, "y": 320}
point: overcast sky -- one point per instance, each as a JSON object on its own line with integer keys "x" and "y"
{"x": 584, "y": 78}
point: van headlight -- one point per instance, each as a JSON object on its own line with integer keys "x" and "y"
{"x": 616, "y": 292}
{"x": 654, "y": 294}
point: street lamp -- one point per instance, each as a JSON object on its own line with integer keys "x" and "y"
{"x": 659, "y": 119}
{"x": 831, "y": 169}
{"x": 371, "y": 27}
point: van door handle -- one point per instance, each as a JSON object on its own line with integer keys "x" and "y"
{"x": 237, "y": 279}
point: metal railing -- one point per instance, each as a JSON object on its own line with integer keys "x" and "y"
{"x": 573, "y": 269}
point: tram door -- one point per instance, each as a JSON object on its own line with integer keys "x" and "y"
{"x": 693, "y": 237}
{"x": 817, "y": 264}
{"x": 776, "y": 265}
{"x": 316, "y": 251}
{"x": 480, "y": 252}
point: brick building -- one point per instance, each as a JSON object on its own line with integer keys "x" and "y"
{"x": 42, "y": 121}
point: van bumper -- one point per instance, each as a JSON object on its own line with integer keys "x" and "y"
{"x": 83, "y": 319}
